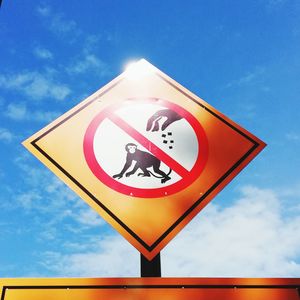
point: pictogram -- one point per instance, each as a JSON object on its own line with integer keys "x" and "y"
{"x": 137, "y": 159}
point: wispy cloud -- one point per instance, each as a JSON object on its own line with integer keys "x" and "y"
{"x": 290, "y": 196}
{"x": 247, "y": 78}
{"x": 37, "y": 199}
{"x": 57, "y": 22}
{"x": 42, "y": 188}
{"x": 6, "y": 135}
{"x": 293, "y": 136}
{"x": 35, "y": 85}
{"x": 43, "y": 10}
{"x": 20, "y": 112}
{"x": 274, "y": 4}
{"x": 29, "y": 199}
{"x": 16, "y": 111}
{"x": 61, "y": 25}
{"x": 88, "y": 217}
{"x": 42, "y": 53}
{"x": 42, "y": 116}
{"x": 88, "y": 62}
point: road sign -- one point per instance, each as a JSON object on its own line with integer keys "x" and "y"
{"x": 150, "y": 288}
{"x": 145, "y": 153}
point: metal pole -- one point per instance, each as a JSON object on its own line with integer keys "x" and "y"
{"x": 150, "y": 268}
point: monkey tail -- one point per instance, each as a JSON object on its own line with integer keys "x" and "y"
{"x": 170, "y": 171}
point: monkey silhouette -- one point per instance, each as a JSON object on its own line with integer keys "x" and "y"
{"x": 144, "y": 160}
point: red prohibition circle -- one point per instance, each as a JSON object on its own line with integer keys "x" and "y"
{"x": 194, "y": 173}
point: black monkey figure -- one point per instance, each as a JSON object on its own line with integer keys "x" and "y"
{"x": 143, "y": 160}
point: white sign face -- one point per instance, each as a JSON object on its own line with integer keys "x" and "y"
{"x": 145, "y": 144}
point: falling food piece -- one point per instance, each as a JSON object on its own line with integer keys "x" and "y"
{"x": 169, "y": 133}
{"x": 172, "y": 142}
{"x": 163, "y": 135}
{"x": 170, "y": 147}
{"x": 165, "y": 141}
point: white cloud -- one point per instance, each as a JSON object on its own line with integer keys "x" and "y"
{"x": 112, "y": 257}
{"x": 43, "y": 116}
{"x": 16, "y": 111}
{"x": 42, "y": 188}
{"x": 291, "y": 191}
{"x": 35, "y": 85}
{"x": 275, "y": 4}
{"x": 248, "y": 78}
{"x": 89, "y": 217}
{"x": 49, "y": 233}
{"x": 290, "y": 198}
{"x": 6, "y": 135}
{"x": 20, "y": 112}
{"x": 57, "y": 22}
{"x": 88, "y": 62}
{"x": 29, "y": 199}
{"x": 92, "y": 42}
{"x": 251, "y": 238}
{"x": 59, "y": 91}
{"x": 60, "y": 25}
{"x": 292, "y": 136}
{"x": 43, "y": 53}
{"x": 44, "y": 10}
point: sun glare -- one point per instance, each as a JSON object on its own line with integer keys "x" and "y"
{"x": 137, "y": 70}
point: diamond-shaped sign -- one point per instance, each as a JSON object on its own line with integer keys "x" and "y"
{"x": 145, "y": 153}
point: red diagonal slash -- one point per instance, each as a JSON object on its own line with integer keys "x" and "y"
{"x": 157, "y": 152}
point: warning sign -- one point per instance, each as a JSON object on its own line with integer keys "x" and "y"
{"x": 146, "y": 154}
{"x": 153, "y": 148}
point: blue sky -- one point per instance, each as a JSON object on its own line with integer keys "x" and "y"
{"x": 242, "y": 57}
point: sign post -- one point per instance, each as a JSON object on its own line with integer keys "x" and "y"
{"x": 150, "y": 268}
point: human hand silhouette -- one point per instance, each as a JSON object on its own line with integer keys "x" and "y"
{"x": 153, "y": 122}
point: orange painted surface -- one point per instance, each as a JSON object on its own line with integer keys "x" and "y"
{"x": 147, "y": 223}
{"x": 151, "y": 289}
